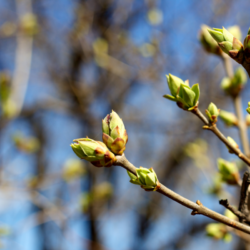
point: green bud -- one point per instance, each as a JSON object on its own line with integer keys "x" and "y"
{"x": 228, "y": 171}
{"x": 228, "y": 43}
{"x": 226, "y": 46}
{"x": 226, "y": 84}
{"x": 208, "y": 42}
{"x": 248, "y": 108}
{"x": 230, "y": 215}
{"x": 188, "y": 97}
{"x": 227, "y": 35}
{"x": 114, "y": 133}
{"x": 233, "y": 86}
{"x": 185, "y": 97}
{"x": 95, "y": 152}
{"x": 228, "y": 118}
{"x": 212, "y": 112}
{"x": 217, "y": 231}
{"x": 240, "y": 77}
{"x": 217, "y": 35}
{"x": 174, "y": 83}
{"x": 146, "y": 178}
{"x": 233, "y": 143}
{"x": 29, "y": 24}
{"x": 247, "y": 120}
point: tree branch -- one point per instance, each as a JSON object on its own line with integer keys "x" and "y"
{"x": 242, "y": 217}
{"x": 197, "y": 207}
{"x": 217, "y": 132}
{"x": 243, "y": 205}
{"x": 238, "y": 108}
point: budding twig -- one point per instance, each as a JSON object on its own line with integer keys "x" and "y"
{"x": 242, "y": 217}
{"x": 218, "y": 133}
{"x": 197, "y": 208}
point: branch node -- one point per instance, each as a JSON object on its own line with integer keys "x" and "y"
{"x": 240, "y": 155}
{"x": 194, "y": 212}
{"x": 206, "y": 127}
{"x": 199, "y": 203}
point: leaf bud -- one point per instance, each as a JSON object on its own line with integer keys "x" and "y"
{"x": 228, "y": 118}
{"x": 146, "y": 178}
{"x": 233, "y": 143}
{"x": 234, "y": 85}
{"x": 95, "y": 152}
{"x": 248, "y": 108}
{"x": 228, "y": 43}
{"x": 212, "y": 112}
{"x": 207, "y": 41}
{"x": 218, "y": 231}
{"x": 185, "y": 97}
{"x": 247, "y": 119}
{"x": 114, "y": 133}
{"x": 228, "y": 171}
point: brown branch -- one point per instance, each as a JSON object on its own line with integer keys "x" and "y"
{"x": 243, "y": 206}
{"x": 197, "y": 208}
{"x": 216, "y": 131}
{"x": 246, "y": 65}
{"x": 242, "y": 217}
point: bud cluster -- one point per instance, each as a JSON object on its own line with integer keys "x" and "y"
{"x": 95, "y": 152}
{"x": 231, "y": 45}
{"x": 218, "y": 231}
{"x": 228, "y": 43}
{"x": 114, "y": 137}
{"x": 114, "y": 133}
{"x": 185, "y": 97}
{"x": 208, "y": 42}
{"x": 212, "y": 113}
{"x": 228, "y": 171}
{"x": 234, "y": 85}
{"x": 146, "y": 178}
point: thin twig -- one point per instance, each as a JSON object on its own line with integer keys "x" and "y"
{"x": 242, "y": 217}
{"x": 197, "y": 208}
{"x": 238, "y": 108}
{"x": 217, "y": 132}
{"x": 241, "y": 124}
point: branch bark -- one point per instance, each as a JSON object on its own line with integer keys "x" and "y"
{"x": 242, "y": 217}
{"x": 216, "y": 131}
{"x": 197, "y": 208}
